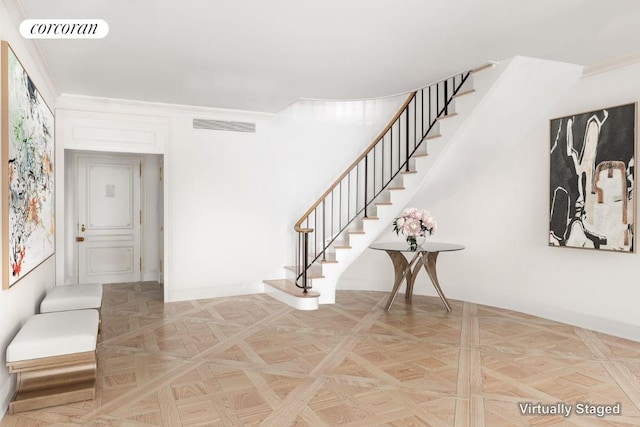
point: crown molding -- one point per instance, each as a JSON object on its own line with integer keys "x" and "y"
{"x": 117, "y": 105}
{"x": 611, "y": 64}
{"x": 16, "y": 16}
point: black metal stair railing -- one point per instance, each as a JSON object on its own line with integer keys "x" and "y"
{"x": 357, "y": 188}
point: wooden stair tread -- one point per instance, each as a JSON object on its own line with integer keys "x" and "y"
{"x": 466, "y": 92}
{"x": 355, "y": 231}
{"x": 370, "y": 218}
{"x": 321, "y": 261}
{"x": 395, "y": 188}
{"x": 483, "y": 67}
{"x": 290, "y": 288}
{"x": 342, "y": 247}
{"x": 447, "y": 116}
{"x": 434, "y": 136}
{"x": 383, "y": 203}
{"x": 407, "y": 172}
{"x": 421, "y": 155}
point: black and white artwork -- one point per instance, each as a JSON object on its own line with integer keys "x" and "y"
{"x": 592, "y": 191}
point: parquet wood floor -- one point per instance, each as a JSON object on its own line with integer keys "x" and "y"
{"x": 250, "y": 360}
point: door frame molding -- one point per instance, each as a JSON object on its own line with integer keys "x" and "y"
{"x": 71, "y": 252}
{"x": 103, "y": 125}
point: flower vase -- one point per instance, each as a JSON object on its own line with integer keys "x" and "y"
{"x": 415, "y": 241}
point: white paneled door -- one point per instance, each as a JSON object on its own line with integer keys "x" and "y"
{"x": 109, "y": 216}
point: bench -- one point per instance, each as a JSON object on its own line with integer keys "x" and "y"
{"x": 54, "y": 357}
{"x": 72, "y": 297}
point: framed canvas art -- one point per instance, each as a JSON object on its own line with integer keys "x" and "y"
{"x": 28, "y": 204}
{"x": 593, "y": 180}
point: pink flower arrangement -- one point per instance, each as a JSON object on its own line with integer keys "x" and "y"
{"x": 414, "y": 223}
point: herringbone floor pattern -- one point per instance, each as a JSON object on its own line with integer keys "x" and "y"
{"x": 249, "y": 360}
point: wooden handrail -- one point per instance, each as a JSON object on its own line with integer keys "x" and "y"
{"x": 298, "y": 227}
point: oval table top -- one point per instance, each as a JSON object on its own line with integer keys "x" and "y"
{"x": 425, "y": 247}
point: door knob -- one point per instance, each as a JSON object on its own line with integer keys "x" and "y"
{"x": 79, "y": 239}
{"x": 82, "y": 228}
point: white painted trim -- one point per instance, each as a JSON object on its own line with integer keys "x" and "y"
{"x": 381, "y": 285}
{"x": 422, "y": 286}
{"x": 118, "y": 133}
{"x": 581, "y": 320}
{"x": 87, "y": 103}
{"x": 295, "y": 302}
{"x": 150, "y": 276}
{"x": 61, "y": 209}
{"x": 188, "y": 294}
{"x": 611, "y": 64}
{"x": 167, "y": 217}
{"x": 6, "y": 393}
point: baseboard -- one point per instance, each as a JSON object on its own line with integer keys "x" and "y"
{"x": 150, "y": 276}
{"x": 214, "y": 292}
{"x": 382, "y": 285}
{"x": 581, "y": 320}
{"x": 361, "y": 285}
{"x": 6, "y": 393}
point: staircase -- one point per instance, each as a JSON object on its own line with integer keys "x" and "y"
{"x": 372, "y": 191}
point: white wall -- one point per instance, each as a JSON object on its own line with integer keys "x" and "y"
{"x": 23, "y": 299}
{"x": 490, "y": 193}
{"x": 230, "y": 198}
{"x": 236, "y": 197}
{"x": 151, "y": 223}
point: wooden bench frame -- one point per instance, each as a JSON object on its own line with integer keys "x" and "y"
{"x": 55, "y": 380}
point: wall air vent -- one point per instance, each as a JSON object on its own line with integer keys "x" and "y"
{"x": 224, "y": 125}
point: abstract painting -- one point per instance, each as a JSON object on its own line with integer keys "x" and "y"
{"x": 592, "y": 191}
{"x": 28, "y": 204}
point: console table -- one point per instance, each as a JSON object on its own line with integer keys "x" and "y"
{"x": 426, "y": 255}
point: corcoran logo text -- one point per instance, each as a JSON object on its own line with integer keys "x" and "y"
{"x": 64, "y": 28}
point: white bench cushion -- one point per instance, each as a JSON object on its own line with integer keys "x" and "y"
{"x": 55, "y": 334}
{"x": 72, "y": 297}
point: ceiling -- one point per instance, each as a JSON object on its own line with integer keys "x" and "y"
{"x": 262, "y": 55}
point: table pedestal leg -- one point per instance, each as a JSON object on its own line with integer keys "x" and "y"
{"x": 403, "y": 270}
{"x": 411, "y": 280}
{"x": 428, "y": 259}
